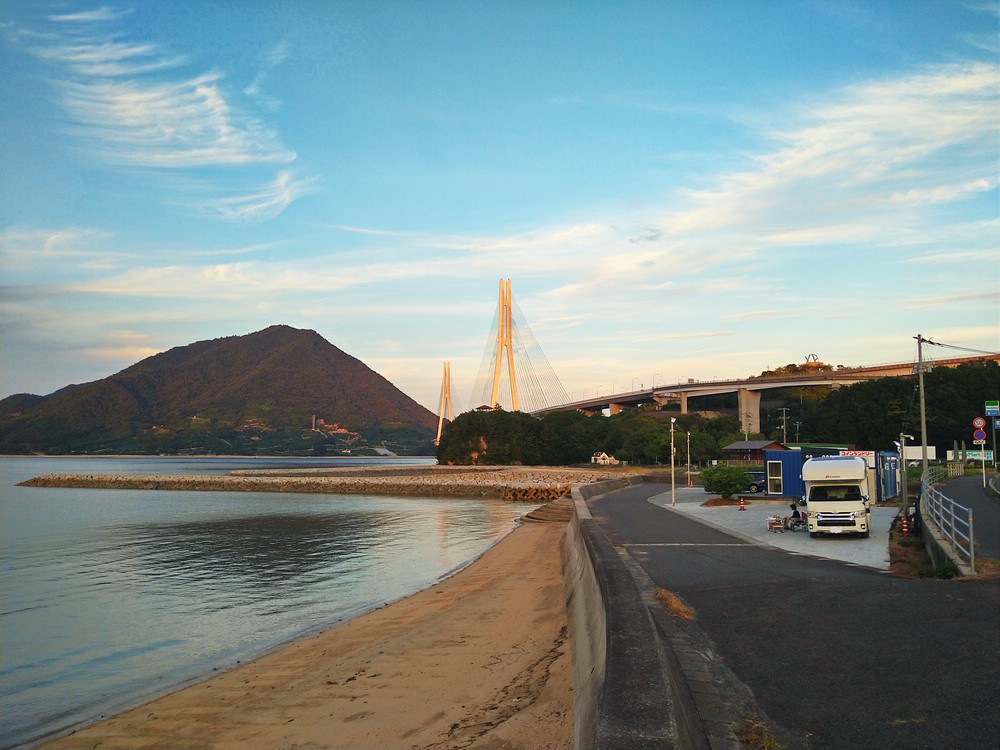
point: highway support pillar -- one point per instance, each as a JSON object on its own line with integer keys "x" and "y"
{"x": 749, "y": 410}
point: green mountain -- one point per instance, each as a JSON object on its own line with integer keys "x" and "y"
{"x": 280, "y": 390}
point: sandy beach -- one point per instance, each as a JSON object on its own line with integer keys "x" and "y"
{"x": 480, "y": 660}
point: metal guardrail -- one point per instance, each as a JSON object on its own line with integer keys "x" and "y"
{"x": 954, "y": 521}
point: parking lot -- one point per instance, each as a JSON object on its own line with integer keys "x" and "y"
{"x": 751, "y": 525}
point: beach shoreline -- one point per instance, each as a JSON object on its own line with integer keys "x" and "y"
{"x": 479, "y": 659}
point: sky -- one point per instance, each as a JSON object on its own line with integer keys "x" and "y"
{"x": 675, "y": 189}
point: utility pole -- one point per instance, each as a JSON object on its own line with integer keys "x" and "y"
{"x": 923, "y": 405}
{"x": 797, "y": 425}
{"x": 784, "y": 423}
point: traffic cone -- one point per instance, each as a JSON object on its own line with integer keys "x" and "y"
{"x": 905, "y": 526}
{"x": 743, "y": 505}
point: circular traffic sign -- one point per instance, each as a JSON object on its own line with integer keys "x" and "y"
{"x": 979, "y": 435}
{"x": 979, "y": 423}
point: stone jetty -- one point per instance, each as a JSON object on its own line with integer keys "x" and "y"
{"x": 516, "y": 483}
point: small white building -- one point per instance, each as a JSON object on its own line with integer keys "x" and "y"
{"x": 604, "y": 459}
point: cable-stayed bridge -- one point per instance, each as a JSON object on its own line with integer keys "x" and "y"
{"x": 515, "y": 375}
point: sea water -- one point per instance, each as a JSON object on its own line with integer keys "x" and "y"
{"x": 109, "y": 597}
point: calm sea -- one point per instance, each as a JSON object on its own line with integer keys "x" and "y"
{"x": 108, "y": 597}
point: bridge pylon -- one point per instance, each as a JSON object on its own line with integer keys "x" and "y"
{"x": 444, "y": 406}
{"x": 505, "y": 343}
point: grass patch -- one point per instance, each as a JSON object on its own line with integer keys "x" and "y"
{"x": 987, "y": 567}
{"x": 907, "y": 556}
{"x": 672, "y": 605}
{"x": 754, "y": 733}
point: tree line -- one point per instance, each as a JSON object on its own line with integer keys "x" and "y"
{"x": 869, "y": 415}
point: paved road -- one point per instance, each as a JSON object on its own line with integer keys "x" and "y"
{"x": 836, "y": 656}
{"x": 969, "y": 491}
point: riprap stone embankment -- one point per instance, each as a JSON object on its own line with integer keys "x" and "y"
{"x": 425, "y": 481}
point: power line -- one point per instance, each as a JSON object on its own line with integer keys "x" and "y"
{"x": 958, "y": 348}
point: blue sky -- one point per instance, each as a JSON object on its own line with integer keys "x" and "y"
{"x": 675, "y": 189}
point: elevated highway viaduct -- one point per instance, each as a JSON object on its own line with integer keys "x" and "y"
{"x": 749, "y": 389}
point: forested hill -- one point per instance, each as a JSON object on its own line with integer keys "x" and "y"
{"x": 245, "y": 394}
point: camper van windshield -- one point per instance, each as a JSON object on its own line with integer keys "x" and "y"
{"x": 836, "y": 492}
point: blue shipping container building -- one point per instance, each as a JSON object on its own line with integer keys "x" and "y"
{"x": 784, "y": 471}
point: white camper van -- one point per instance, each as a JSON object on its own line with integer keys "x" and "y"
{"x": 837, "y": 495}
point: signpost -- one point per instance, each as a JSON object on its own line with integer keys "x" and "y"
{"x": 979, "y": 438}
{"x": 993, "y": 410}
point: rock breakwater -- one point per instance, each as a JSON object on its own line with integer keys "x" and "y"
{"x": 540, "y": 484}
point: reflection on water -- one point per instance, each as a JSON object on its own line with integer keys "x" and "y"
{"x": 252, "y": 557}
{"x": 109, "y": 597}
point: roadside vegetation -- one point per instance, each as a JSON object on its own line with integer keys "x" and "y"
{"x": 869, "y": 416}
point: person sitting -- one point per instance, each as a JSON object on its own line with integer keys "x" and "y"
{"x": 795, "y": 519}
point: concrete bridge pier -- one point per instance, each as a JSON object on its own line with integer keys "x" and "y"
{"x": 664, "y": 399}
{"x": 749, "y": 410}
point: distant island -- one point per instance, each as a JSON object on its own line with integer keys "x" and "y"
{"x": 279, "y": 391}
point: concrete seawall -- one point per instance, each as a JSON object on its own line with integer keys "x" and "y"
{"x": 629, "y": 694}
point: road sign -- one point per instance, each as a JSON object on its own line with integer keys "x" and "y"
{"x": 979, "y": 436}
{"x": 993, "y": 408}
{"x": 979, "y": 423}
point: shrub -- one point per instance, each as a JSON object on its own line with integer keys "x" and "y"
{"x": 725, "y": 481}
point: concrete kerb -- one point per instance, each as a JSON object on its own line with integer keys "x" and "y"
{"x": 635, "y": 694}
{"x": 941, "y": 551}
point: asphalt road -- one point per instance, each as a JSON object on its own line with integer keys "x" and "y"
{"x": 969, "y": 491}
{"x": 835, "y": 655}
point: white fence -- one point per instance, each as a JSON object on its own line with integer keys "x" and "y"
{"x": 954, "y": 521}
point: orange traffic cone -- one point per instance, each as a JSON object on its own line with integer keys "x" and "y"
{"x": 905, "y": 527}
{"x": 743, "y": 505}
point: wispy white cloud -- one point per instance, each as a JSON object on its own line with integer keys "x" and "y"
{"x": 951, "y": 299}
{"x": 274, "y": 57}
{"x": 186, "y": 123}
{"x": 104, "y": 13}
{"x": 43, "y": 250}
{"x": 132, "y": 105}
{"x": 265, "y": 202}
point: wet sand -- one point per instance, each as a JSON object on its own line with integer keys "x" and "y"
{"x": 480, "y": 660}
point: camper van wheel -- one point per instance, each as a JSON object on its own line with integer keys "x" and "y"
{"x": 813, "y": 534}
{"x": 865, "y": 534}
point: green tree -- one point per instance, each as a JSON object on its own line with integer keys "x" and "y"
{"x": 569, "y": 437}
{"x": 491, "y": 437}
{"x": 725, "y": 481}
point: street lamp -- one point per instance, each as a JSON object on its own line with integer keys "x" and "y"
{"x": 689, "y": 461}
{"x": 902, "y": 469}
{"x": 673, "y": 488}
